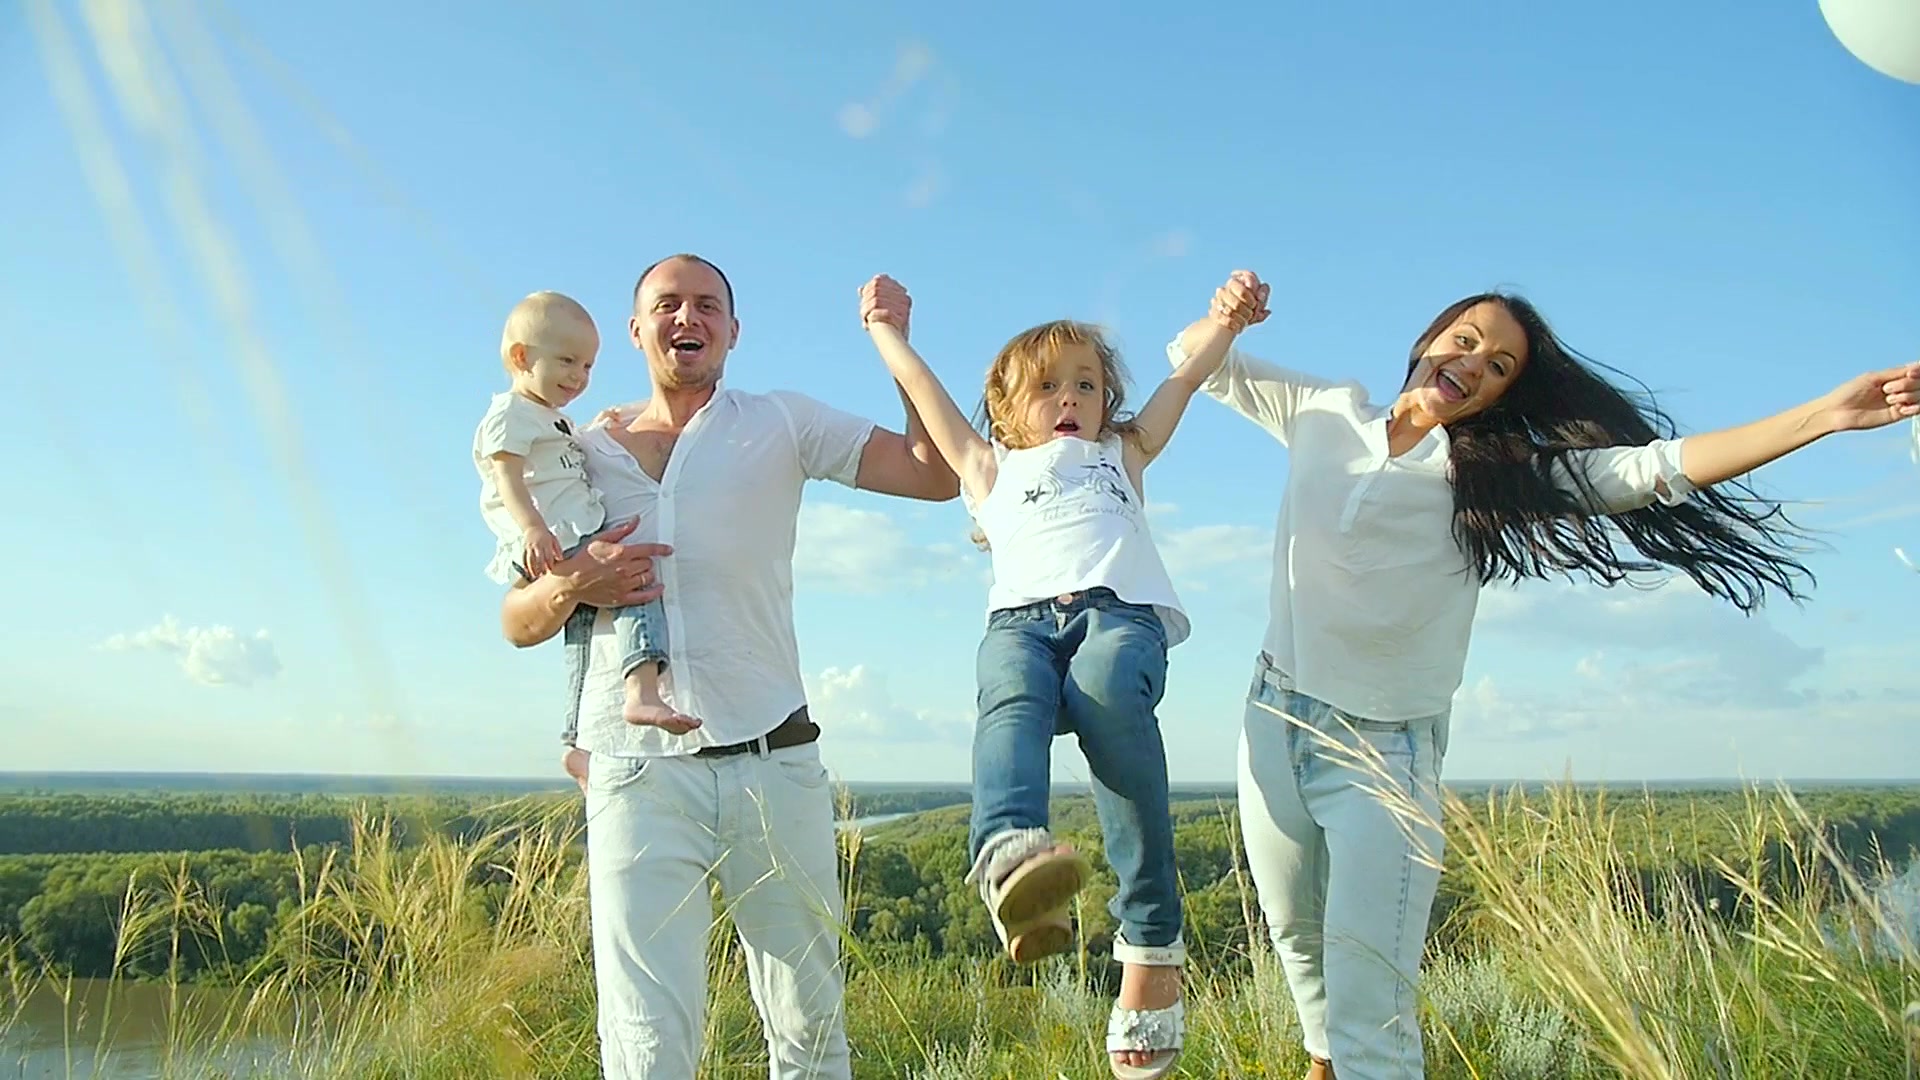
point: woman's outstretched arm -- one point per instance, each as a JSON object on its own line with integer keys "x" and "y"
{"x": 1862, "y": 403}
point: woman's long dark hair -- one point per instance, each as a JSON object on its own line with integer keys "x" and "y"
{"x": 1516, "y": 523}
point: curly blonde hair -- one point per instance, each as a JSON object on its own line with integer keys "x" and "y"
{"x": 1017, "y": 370}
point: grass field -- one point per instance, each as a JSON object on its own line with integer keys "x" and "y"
{"x": 396, "y": 964}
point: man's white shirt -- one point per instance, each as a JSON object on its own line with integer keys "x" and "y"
{"x": 729, "y": 505}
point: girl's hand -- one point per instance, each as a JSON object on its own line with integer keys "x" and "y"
{"x": 885, "y": 300}
{"x": 1874, "y": 400}
{"x": 1241, "y": 302}
{"x": 543, "y": 550}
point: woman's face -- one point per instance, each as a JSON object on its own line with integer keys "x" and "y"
{"x": 1468, "y": 365}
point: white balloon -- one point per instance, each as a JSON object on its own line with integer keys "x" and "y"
{"x": 1882, "y": 34}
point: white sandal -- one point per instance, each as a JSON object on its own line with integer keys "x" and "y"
{"x": 1160, "y": 1032}
{"x": 1027, "y": 879}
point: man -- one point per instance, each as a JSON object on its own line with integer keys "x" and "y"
{"x": 714, "y": 476}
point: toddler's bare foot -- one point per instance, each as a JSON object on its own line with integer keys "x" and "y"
{"x": 645, "y": 708}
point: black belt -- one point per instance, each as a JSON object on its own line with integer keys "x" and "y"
{"x": 795, "y": 730}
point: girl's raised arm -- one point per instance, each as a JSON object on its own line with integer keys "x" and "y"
{"x": 1239, "y": 303}
{"x": 884, "y": 308}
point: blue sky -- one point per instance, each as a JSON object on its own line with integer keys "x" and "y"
{"x": 246, "y": 524}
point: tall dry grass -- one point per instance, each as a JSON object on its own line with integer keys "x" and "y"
{"x": 469, "y": 960}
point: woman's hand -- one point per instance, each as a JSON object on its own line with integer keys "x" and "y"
{"x": 1241, "y": 302}
{"x": 574, "y": 761}
{"x": 1874, "y": 400}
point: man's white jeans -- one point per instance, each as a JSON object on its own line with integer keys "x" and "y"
{"x": 762, "y": 827}
{"x": 1340, "y": 816}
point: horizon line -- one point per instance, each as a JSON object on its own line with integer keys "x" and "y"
{"x": 11, "y": 776}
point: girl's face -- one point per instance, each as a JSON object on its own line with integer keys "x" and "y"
{"x": 1468, "y": 365}
{"x": 1066, "y": 400}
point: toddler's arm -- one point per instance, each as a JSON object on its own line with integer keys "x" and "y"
{"x": 1238, "y": 304}
{"x": 542, "y": 549}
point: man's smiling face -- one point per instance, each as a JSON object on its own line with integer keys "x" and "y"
{"x": 683, "y": 321}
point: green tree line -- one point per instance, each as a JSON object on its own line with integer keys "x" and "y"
{"x": 219, "y": 913}
{"x": 36, "y": 824}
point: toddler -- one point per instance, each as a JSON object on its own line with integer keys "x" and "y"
{"x": 537, "y": 498}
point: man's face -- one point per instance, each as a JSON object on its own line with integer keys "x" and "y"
{"x": 684, "y": 324}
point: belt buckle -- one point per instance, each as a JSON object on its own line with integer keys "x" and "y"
{"x": 1273, "y": 676}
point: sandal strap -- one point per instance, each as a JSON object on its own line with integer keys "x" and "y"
{"x": 1170, "y": 955}
{"x": 1147, "y": 1029}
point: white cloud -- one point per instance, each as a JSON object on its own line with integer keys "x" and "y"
{"x": 857, "y": 704}
{"x": 215, "y": 656}
{"x": 1486, "y": 709}
{"x": 1200, "y": 548}
{"x": 860, "y": 119}
{"x": 1170, "y": 244}
{"x": 1602, "y": 730}
{"x": 1895, "y": 512}
{"x": 865, "y": 551}
{"x": 912, "y": 61}
{"x": 857, "y": 121}
{"x": 1660, "y": 665}
{"x": 925, "y": 188}
{"x": 1668, "y": 644}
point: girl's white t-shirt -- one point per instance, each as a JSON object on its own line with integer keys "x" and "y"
{"x": 556, "y": 472}
{"x": 1064, "y": 517}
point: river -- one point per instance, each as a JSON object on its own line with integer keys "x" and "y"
{"x": 870, "y": 821}
{"x": 93, "y": 1030}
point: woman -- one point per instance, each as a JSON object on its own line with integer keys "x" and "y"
{"x": 1504, "y": 456}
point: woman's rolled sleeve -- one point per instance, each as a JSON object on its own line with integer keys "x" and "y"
{"x": 1623, "y": 478}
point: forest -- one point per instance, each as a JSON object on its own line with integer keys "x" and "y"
{"x": 73, "y": 868}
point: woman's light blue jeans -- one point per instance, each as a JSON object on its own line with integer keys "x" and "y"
{"x": 1341, "y": 818}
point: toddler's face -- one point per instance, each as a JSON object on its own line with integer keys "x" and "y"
{"x": 558, "y": 361}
